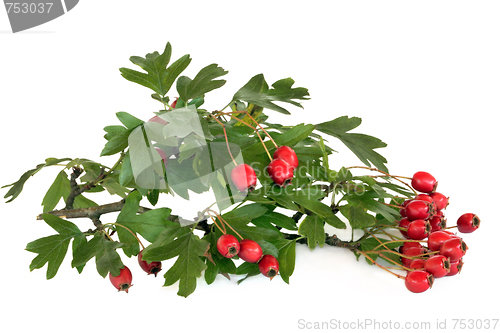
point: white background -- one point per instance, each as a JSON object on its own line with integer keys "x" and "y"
{"x": 423, "y": 76}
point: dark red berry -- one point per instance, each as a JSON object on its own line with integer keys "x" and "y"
{"x": 123, "y": 281}
{"x": 288, "y": 155}
{"x": 250, "y": 251}
{"x": 244, "y": 177}
{"x": 453, "y": 248}
{"x": 438, "y": 222}
{"x": 152, "y": 268}
{"x": 403, "y": 223}
{"x": 174, "y": 103}
{"x": 419, "y": 210}
{"x": 440, "y": 199}
{"x": 418, "y": 281}
{"x": 468, "y": 223}
{"x": 411, "y": 253}
{"x": 436, "y": 238}
{"x": 418, "y": 229}
{"x": 280, "y": 172}
{"x": 428, "y": 198}
{"x": 438, "y": 265}
{"x": 269, "y": 266}
{"x": 228, "y": 246}
{"x": 424, "y": 182}
{"x": 455, "y": 267}
{"x": 417, "y": 264}
{"x": 409, "y": 244}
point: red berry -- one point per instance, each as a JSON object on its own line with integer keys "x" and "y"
{"x": 436, "y": 238}
{"x": 468, "y": 223}
{"x": 418, "y": 229}
{"x": 438, "y": 265}
{"x": 428, "y": 198}
{"x": 123, "y": 281}
{"x": 280, "y": 172}
{"x": 438, "y": 222}
{"x": 269, "y": 266}
{"x": 250, "y": 251}
{"x": 244, "y": 177}
{"x": 453, "y": 248}
{"x": 440, "y": 199}
{"x": 407, "y": 245}
{"x": 152, "y": 268}
{"x": 411, "y": 252}
{"x": 228, "y": 245}
{"x": 418, "y": 281}
{"x": 417, "y": 264}
{"x": 424, "y": 182}
{"x": 455, "y": 267}
{"x": 288, "y": 155}
{"x": 403, "y": 223}
{"x": 419, "y": 210}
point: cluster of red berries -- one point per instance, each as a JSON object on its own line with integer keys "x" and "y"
{"x": 250, "y": 251}
{"x": 423, "y": 218}
{"x": 123, "y": 281}
{"x": 280, "y": 170}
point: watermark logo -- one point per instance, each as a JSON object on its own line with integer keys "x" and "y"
{"x": 24, "y": 15}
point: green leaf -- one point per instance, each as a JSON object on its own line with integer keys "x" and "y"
{"x": 289, "y": 138}
{"x": 17, "y": 187}
{"x": 313, "y": 228}
{"x": 126, "y": 172}
{"x": 107, "y": 259}
{"x": 309, "y": 200}
{"x": 159, "y": 78}
{"x": 286, "y": 258}
{"x": 257, "y": 92}
{"x": 202, "y": 83}
{"x": 128, "y": 120}
{"x": 58, "y": 189}
{"x": 245, "y": 213}
{"x": 277, "y": 219}
{"x": 60, "y": 225}
{"x": 117, "y": 143}
{"x": 51, "y": 249}
{"x": 361, "y": 145}
{"x": 357, "y": 216}
{"x": 189, "y": 265}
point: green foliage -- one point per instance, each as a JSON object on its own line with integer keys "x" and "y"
{"x": 361, "y": 145}
{"x": 200, "y": 146}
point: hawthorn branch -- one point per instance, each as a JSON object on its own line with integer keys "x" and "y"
{"x": 329, "y": 240}
{"x": 94, "y": 214}
{"x": 76, "y": 189}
